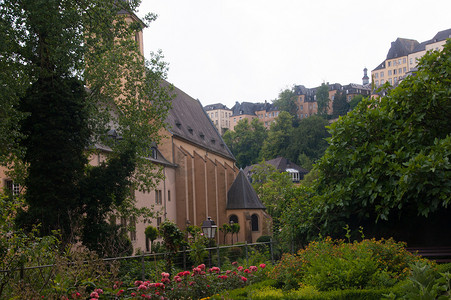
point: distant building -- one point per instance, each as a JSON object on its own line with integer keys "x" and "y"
{"x": 282, "y": 164}
{"x": 307, "y": 104}
{"x": 403, "y": 56}
{"x": 265, "y": 112}
{"x": 220, "y": 116}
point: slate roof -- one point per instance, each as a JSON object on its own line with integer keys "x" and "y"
{"x": 281, "y": 164}
{"x": 242, "y": 195}
{"x": 441, "y": 35}
{"x": 401, "y": 47}
{"x": 245, "y": 108}
{"x": 215, "y": 106}
{"x": 188, "y": 120}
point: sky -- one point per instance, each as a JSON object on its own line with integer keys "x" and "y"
{"x": 251, "y": 50}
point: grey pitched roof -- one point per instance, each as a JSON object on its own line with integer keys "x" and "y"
{"x": 188, "y": 120}
{"x": 215, "y": 106}
{"x": 401, "y": 47}
{"x": 421, "y": 46}
{"x": 245, "y": 108}
{"x": 242, "y": 195}
{"x": 441, "y": 35}
{"x": 281, "y": 164}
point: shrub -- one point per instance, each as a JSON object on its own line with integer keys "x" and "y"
{"x": 332, "y": 265}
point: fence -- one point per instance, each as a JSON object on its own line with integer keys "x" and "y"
{"x": 150, "y": 265}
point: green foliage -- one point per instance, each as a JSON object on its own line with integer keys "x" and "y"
{"x": 287, "y": 102}
{"x": 279, "y": 135}
{"x": 54, "y": 49}
{"x": 340, "y": 105}
{"x": 197, "y": 243}
{"x": 225, "y": 229}
{"x": 322, "y": 98}
{"x": 245, "y": 141}
{"x": 308, "y": 142}
{"x": 390, "y": 156}
{"x": 355, "y": 101}
{"x": 332, "y": 264}
{"x": 173, "y": 239}
{"x": 424, "y": 282}
{"x": 151, "y": 233}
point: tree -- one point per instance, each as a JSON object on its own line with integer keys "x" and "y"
{"x": 308, "y": 139}
{"x": 340, "y": 105}
{"x": 53, "y": 50}
{"x": 287, "y": 102}
{"x": 322, "y": 98}
{"x": 245, "y": 141}
{"x": 271, "y": 187}
{"x": 355, "y": 101}
{"x": 389, "y": 159}
{"x": 225, "y": 229}
{"x": 279, "y": 135}
{"x": 173, "y": 239}
{"x": 151, "y": 234}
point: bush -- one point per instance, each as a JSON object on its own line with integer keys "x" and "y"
{"x": 335, "y": 265}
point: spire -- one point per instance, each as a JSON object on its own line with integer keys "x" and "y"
{"x": 365, "y": 78}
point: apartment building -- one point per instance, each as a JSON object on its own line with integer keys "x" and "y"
{"x": 220, "y": 116}
{"x": 265, "y": 112}
{"x": 403, "y": 56}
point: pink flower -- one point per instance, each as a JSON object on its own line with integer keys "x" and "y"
{"x": 214, "y": 269}
{"x": 253, "y": 268}
{"x": 228, "y": 272}
{"x": 138, "y": 282}
{"x": 120, "y": 292}
{"x": 99, "y": 291}
{"x": 262, "y": 266}
{"x": 240, "y": 268}
{"x": 191, "y": 283}
{"x": 243, "y": 278}
{"x": 201, "y": 266}
{"x": 76, "y": 295}
{"x": 197, "y": 270}
{"x": 164, "y": 274}
{"x": 142, "y": 287}
{"x": 133, "y": 294}
{"x": 177, "y": 278}
{"x": 234, "y": 263}
{"x": 94, "y": 295}
{"x": 247, "y": 271}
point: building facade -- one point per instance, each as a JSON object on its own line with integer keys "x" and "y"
{"x": 220, "y": 116}
{"x": 403, "y": 56}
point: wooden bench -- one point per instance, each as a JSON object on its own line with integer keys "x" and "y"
{"x": 438, "y": 254}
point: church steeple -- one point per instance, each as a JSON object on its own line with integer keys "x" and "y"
{"x": 365, "y": 78}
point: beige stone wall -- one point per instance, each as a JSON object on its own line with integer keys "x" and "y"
{"x": 246, "y": 233}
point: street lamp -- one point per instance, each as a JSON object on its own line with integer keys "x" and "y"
{"x": 209, "y": 230}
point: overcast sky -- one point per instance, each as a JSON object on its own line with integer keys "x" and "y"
{"x": 250, "y": 50}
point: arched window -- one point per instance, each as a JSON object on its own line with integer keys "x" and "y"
{"x": 233, "y": 218}
{"x": 254, "y": 222}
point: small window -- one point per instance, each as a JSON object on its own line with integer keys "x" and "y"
{"x": 233, "y": 219}
{"x": 254, "y": 222}
{"x": 12, "y": 188}
{"x": 169, "y": 195}
{"x": 158, "y": 197}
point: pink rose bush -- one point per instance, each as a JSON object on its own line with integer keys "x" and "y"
{"x": 195, "y": 284}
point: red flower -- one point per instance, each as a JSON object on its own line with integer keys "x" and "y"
{"x": 262, "y": 266}
{"x": 201, "y": 266}
{"x": 243, "y": 278}
{"x": 120, "y": 292}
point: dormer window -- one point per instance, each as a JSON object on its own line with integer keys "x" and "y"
{"x": 213, "y": 141}
{"x": 178, "y": 124}
{"x": 190, "y": 130}
{"x": 153, "y": 152}
{"x": 202, "y": 136}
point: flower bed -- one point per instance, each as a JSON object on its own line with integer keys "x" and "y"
{"x": 198, "y": 283}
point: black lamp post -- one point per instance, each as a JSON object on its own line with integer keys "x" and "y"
{"x": 209, "y": 229}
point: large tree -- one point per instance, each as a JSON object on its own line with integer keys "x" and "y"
{"x": 340, "y": 105}
{"x": 53, "y": 49}
{"x": 309, "y": 140}
{"x": 245, "y": 141}
{"x": 389, "y": 159}
{"x": 287, "y": 102}
{"x": 322, "y": 98}
{"x": 279, "y": 137}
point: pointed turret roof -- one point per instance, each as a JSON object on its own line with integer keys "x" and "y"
{"x": 242, "y": 195}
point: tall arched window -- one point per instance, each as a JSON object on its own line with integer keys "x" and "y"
{"x": 254, "y": 222}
